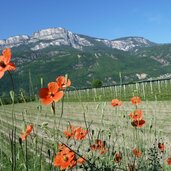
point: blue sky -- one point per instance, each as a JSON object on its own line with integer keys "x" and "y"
{"x": 97, "y": 18}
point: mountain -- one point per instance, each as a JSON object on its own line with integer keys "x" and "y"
{"x": 60, "y": 36}
{"x": 45, "y": 38}
{"x": 57, "y": 51}
{"x": 128, "y": 43}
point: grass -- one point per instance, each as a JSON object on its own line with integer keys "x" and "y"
{"x": 102, "y": 117}
{"x": 87, "y": 127}
{"x": 159, "y": 90}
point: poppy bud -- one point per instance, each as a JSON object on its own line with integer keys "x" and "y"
{"x": 48, "y": 152}
{"x": 20, "y": 141}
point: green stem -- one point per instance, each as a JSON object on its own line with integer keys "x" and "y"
{"x": 62, "y": 111}
{"x": 26, "y": 157}
{"x": 13, "y": 114}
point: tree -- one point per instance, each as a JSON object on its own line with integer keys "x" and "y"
{"x": 97, "y": 83}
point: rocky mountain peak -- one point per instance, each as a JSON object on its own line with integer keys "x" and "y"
{"x": 127, "y": 43}
{"x": 49, "y": 34}
{"x": 60, "y": 36}
{"x": 45, "y": 38}
{"x": 13, "y": 41}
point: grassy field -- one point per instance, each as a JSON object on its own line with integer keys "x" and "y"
{"x": 159, "y": 90}
{"x": 100, "y": 117}
{"x": 106, "y": 131}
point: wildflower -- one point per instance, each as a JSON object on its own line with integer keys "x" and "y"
{"x": 116, "y": 102}
{"x": 77, "y": 133}
{"x": 138, "y": 123}
{"x": 137, "y": 152}
{"x": 100, "y": 143}
{"x": 27, "y": 132}
{"x": 137, "y": 115}
{"x": 99, "y": 146}
{"x": 169, "y": 161}
{"x": 50, "y": 94}
{"x": 5, "y": 64}
{"x": 161, "y": 147}
{"x": 70, "y": 132}
{"x": 135, "y": 100}
{"x": 80, "y": 133}
{"x": 63, "y": 82}
{"x": 65, "y": 160}
{"x": 118, "y": 157}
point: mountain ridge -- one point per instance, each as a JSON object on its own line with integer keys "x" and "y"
{"x": 61, "y": 36}
{"x": 57, "y": 51}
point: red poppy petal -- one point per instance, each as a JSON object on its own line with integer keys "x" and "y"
{"x": 23, "y": 136}
{"x": 7, "y": 55}
{"x": 10, "y": 66}
{"x": 57, "y": 161}
{"x": 46, "y": 101}
{"x": 53, "y": 87}
{"x": 1, "y": 58}
{"x": 1, "y": 74}
{"x": 63, "y": 82}
{"x": 43, "y": 92}
{"x": 138, "y": 123}
{"x": 60, "y": 80}
{"x": 58, "y": 96}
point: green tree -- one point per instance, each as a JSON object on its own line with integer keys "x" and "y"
{"x": 97, "y": 83}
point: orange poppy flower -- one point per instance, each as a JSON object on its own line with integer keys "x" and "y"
{"x": 50, "y": 94}
{"x": 5, "y": 62}
{"x": 161, "y": 147}
{"x": 63, "y": 82}
{"x": 27, "y": 132}
{"x": 138, "y": 123}
{"x": 100, "y": 143}
{"x": 70, "y": 132}
{"x": 137, "y": 152}
{"x": 65, "y": 160}
{"x": 118, "y": 157}
{"x": 137, "y": 115}
{"x": 99, "y": 146}
{"x": 80, "y": 133}
{"x": 116, "y": 102}
{"x": 169, "y": 161}
{"x": 135, "y": 100}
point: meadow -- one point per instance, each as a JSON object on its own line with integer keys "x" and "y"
{"x": 123, "y": 127}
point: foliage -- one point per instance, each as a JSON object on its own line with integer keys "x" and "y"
{"x": 97, "y": 83}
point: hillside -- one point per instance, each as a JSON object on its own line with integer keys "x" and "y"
{"x": 52, "y": 52}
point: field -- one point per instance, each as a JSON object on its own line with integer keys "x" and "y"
{"x": 99, "y": 117}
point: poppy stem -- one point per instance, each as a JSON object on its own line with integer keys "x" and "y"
{"x": 53, "y": 108}
{"x": 62, "y": 111}
{"x": 13, "y": 114}
{"x": 26, "y": 157}
{"x": 13, "y": 139}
